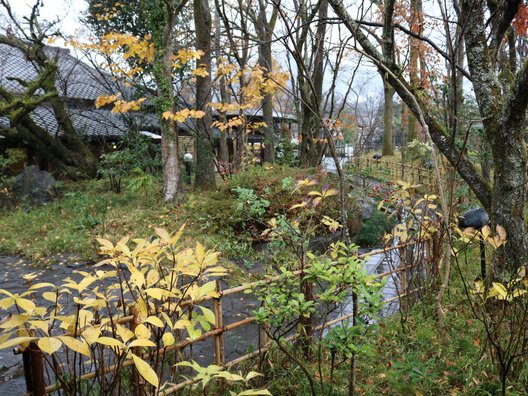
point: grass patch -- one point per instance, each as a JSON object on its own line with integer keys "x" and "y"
{"x": 83, "y": 212}
{"x": 87, "y": 210}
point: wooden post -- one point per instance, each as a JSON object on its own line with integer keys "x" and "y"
{"x": 402, "y": 170}
{"x": 219, "y": 324}
{"x": 138, "y": 383}
{"x": 34, "y": 370}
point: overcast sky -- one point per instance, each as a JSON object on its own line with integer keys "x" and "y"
{"x": 66, "y": 11}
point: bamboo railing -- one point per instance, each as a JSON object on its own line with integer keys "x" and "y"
{"x": 33, "y": 357}
{"x": 393, "y": 170}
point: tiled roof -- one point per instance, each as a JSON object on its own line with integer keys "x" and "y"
{"x": 76, "y": 81}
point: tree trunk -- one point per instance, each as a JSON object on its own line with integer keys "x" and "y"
{"x": 264, "y": 30}
{"x": 205, "y": 156}
{"x": 169, "y": 130}
{"x": 311, "y": 89}
{"x": 171, "y": 162}
{"x": 388, "y": 112}
{"x": 224, "y": 97}
{"x": 416, "y": 24}
{"x": 503, "y": 113}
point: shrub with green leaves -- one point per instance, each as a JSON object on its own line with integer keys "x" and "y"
{"x": 136, "y": 157}
{"x": 372, "y": 230}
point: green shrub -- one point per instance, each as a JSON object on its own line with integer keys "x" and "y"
{"x": 373, "y": 229}
{"x": 136, "y": 155}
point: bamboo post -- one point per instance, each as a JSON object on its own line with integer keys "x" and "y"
{"x": 263, "y": 347}
{"x": 403, "y": 279}
{"x": 428, "y": 261}
{"x": 219, "y": 324}
{"x": 34, "y": 370}
{"x": 305, "y": 325}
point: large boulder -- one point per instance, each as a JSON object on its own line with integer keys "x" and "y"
{"x": 33, "y": 186}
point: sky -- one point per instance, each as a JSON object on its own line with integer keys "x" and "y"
{"x": 66, "y": 11}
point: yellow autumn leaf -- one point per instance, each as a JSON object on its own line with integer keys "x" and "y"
{"x": 501, "y": 232}
{"x": 103, "y": 100}
{"x": 167, "y": 320}
{"x": 145, "y": 371}
{"x": 123, "y": 332}
{"x": 109, "y": 341}
{"x": 15, "y": 321}
{"x": 164, "y": 235}
{"x": 16, "y": 341}
{"x": 157, "y": 293}
{"x": 200, "y": 72}
{"x": 49, "y": 345}
{"x": 41, "y": 285}
{"x": 168, "y": 339}
{"x": 141, "y": 342}
{"x": 136, "y": 277}
{"x": 42, "y": 325}
{"x": 499, "y": 290}
{"x": 142, "y": 331}
{"x": 76, "y": 345}
{"x": 155, "y": 321}
{"x": 91, "y": 334}
{"x": 182, "y": 324}
{"x": 6, "y": 303}
{"x": 152, "y": 277}
{"x": 50, "y": 296}
{"x": 105, "y": 244}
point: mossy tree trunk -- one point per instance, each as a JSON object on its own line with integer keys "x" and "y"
{"x": 68, "y": 153}
{"x": 165, "y": 102}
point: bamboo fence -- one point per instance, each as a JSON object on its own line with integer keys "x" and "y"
{"x": 33, "y": 358}
{"x": 392, "y": 170}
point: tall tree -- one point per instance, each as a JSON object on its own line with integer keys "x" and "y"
{"x": 224, "y": 97}
{"x": 264, "y": 28}
{"x": 156, "y": 19}
{"x": 164, "y": 46}
{"x": 388, "y": 90}
{"x": 501, "y": 106}
{"x": 307, "y": 48}
{"x": 236, "y": 22}
{"x": 205, "y": 174}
